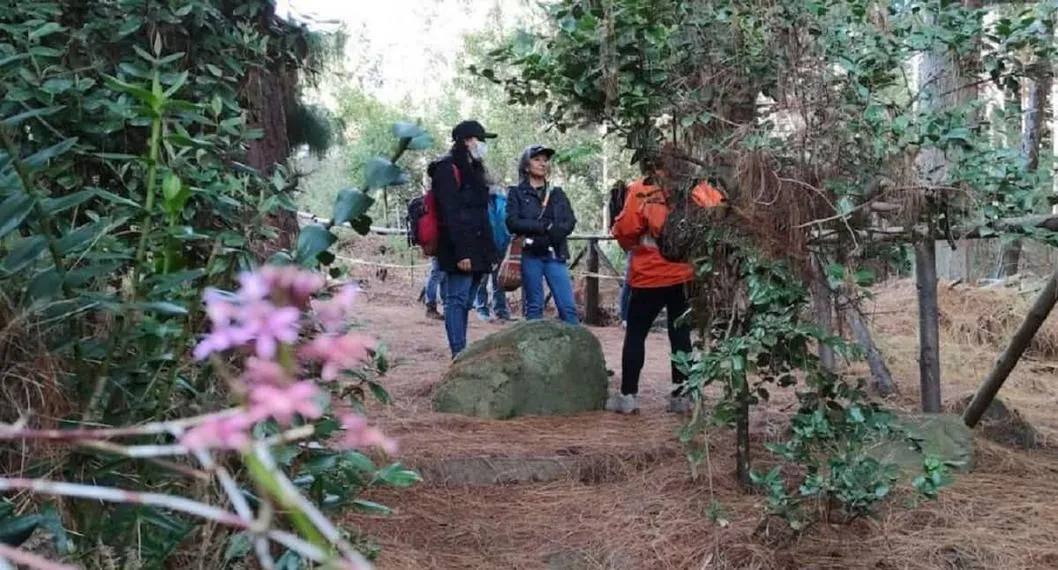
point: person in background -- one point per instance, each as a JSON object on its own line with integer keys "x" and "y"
{"x": 466, "y": 251}
{"x": 617, "y": 200}
{"x": 543, "y": 216}
{"x": 499, "y": 296}
{"x": 655, "y": 282}
{"x": 434, "y": 290}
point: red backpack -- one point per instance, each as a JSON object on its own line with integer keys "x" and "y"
{"x": 424, "y": 223}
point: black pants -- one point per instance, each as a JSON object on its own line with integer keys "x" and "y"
{"x": 644, "y": 306}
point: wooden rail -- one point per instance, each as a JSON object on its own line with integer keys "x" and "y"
{"x": 592, "y": 314}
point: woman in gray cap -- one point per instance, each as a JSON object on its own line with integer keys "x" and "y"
{"x": 542, "y": 215}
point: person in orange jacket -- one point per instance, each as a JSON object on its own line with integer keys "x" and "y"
{"x": 655, "y": 283}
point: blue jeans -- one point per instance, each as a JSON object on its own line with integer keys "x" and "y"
{"x": 459, "y": 287}
{"x": 537, "y": 269}
{"x": 434, "y": 284}
{"x": 626, "y": 289}
{"x": 499, "y": 297}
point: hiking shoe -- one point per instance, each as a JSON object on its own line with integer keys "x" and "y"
{"x": 622, "y": 404}
{"x": 679, "y": 405}
{"x": 431, "y": 313}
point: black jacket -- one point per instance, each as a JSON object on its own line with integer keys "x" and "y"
{"x": 523, "y": 210}
{"x": 464, "y": 215}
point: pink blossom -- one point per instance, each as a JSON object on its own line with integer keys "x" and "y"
{"x": 229, "y": 432}
{"x": 333, "y": 313}
{"x": 254, "y": 287}
{"x": 269, "y": 325}
{"x": 267, "y": 372}
{"x": 290, "y": 281}
{"x": 359, "y": 435}
{"x": 339, "y": 353}
{"x": 282, "y": 403}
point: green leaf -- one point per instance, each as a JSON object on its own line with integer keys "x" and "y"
{"x": 131, "y": 24}
{"x": 371, "y": 508}
{"x": 380, "y": 393}
{"x": 361, "y": 225}
{"x": 311, "y": 241}
{"x": 381, "y": 173}
{"x": 16, "y": 530}
{"x": 421, "y": 142}
{"x": 15, "y": 120}
{"x": 350, "y": 204}
{"x": 359, "y": 462}
{"x": 144, "y": 95}
{"x": 395, "y": 476}
{"x": 83, "y": 237}
{"x": 289, "y": 561}
{"x": 160, "y": 307}
{"x": 239, "y": 545}
{"x": 23, "y": 254}
{"x": 40, "y": 158}
{"x": 61, "y": 204}
{"x": 52, "y": 522}
{"x": 13, "y": 211}
{"x": 56, "y": 85}
{"x": 406, "y": 130}
{"x": 181, "y": 78}
{"x": 45, "y": 30}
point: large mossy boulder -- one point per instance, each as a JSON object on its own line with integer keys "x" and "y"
{"x": 943, "y": 436}
{"x": 531, "y": 368}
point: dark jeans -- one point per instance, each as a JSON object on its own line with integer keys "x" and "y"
{"x": 644, "y": 306}
{"x": 459, "y": 287}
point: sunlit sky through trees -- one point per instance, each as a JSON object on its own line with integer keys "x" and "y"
{"x": 401, "y": 50}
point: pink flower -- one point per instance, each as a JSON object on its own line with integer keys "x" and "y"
{"x": 339, "y": 353}
{"x": 282, "y": 403}
{"x": 333, "y": 313}
{"x": 267, "y": 372}
{"x": 359, "y": 435}
{"x": 229, "y": 432}
{"x": 292, "y": 282}
{"x": 254, "y": 287}
{"x": 269, "y": 325}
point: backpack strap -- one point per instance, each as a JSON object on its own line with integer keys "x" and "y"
{"x": 459, "y": 177}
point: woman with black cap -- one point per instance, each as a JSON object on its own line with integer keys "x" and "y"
{"x": 466, "y": 251}
{"x": 543, "y": 217}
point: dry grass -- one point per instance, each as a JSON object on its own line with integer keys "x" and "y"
{"x": 643, "y": 510}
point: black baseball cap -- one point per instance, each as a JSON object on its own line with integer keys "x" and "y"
{"x": 538, "y": 149}
{"x": 468, "y": 129}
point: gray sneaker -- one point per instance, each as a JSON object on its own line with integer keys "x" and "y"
{"x": 622, "y": 404}
{"x": 679, "y": 405}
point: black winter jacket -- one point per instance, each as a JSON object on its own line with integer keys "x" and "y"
{"x": 463, "y": 210}
{"x": 551, "y": 229}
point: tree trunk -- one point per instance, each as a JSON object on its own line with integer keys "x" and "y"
{"x": 823, "y": 310}
{"x": 1035, "y": 107}
{"x": 1009, "y": 359}
{"x": 881, "y": 379}
{"x": 267, "y": 93}
{"x": 928, "y": 329}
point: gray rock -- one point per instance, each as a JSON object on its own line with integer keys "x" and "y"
{"x": 944, "y": 436}
{"x": 540, "y": 367}
{"x": 1002, "y": 424}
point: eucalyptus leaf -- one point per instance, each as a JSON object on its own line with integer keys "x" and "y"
{"x": 381, "y": 173}
{"x": 312, "y": 240}
{"x": 350, "y": 203}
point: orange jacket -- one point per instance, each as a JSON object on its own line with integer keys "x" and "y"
{"x": 639, "y": 224}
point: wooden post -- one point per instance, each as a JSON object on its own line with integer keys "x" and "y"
{"x": 1010, "y": 356}
{"x": 928, "y": 329}
{"x": 591, "y": 293}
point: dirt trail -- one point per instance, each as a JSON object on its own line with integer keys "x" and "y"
{"x": 637, "y": 507}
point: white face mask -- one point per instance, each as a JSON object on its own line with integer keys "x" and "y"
{"x": 479, "y": 151}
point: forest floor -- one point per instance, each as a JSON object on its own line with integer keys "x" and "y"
{"x": 627, "y": 500}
